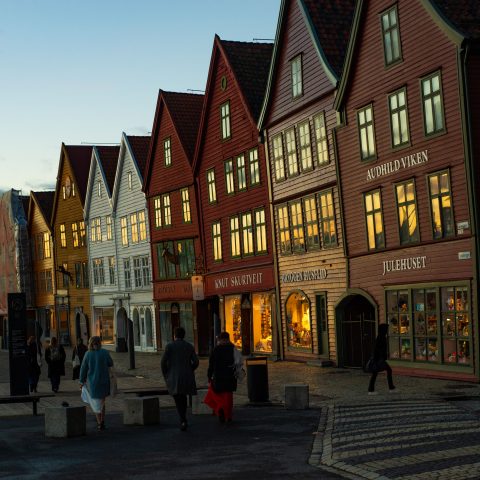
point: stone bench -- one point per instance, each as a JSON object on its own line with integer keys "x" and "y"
{"x": 296, "y": 397}
{"x": 141, "y": 411}
{"x": 62, "y": 422}
{"x": 198, "y": 407}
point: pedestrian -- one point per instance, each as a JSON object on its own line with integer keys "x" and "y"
{"x": 179, "y": 363}
{"x": 78, "y": 353}
{"x": 95, "y": 378}
{"x": 55, "y": 358}
{"x": 34, "y": 356}
{"x": 380, "y": 360}
{"x": 222, "y": 365}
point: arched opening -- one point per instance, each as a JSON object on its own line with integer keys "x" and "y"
{"x": 136, "y": 327}
{"x": 148, "y": 327}
{"x": 81, "y": 327}
{"x": 122, "y": 329}
{"x": 299, "y": 320}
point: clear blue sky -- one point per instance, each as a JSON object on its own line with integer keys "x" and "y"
{"x": 78, "y": 71}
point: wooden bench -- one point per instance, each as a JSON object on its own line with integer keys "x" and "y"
{"x": 152, "y": 391}
{"x": 33, "y": 399}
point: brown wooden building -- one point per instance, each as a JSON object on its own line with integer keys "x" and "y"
{"x": 298, "y": 118}
{"x": 230, "y": 171}
{"x": 409, "y": 199}
{"x": 172, "y": 207}
{"x": 43, "y": 266}
{"x": 72, "y": 294}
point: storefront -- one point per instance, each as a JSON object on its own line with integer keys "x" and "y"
{"x": 103, "y": 321}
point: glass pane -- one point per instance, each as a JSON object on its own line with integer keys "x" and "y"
{"x": 420, "y": 324}
{"x": 448, "y": 324}
{"x": 393, "y": 347}
{"x": 432, "y": 350}
{"x": 463, "y": 325}
{"x": 434, "y": 185}
{"x": 437, "y": 102}
{"x": 420, "y": 349}
{"x": 461, "y": 299}
{"x": 435, "y": 83}
{"x": 426, "y": 87}
{"x": 463, "y": 351}
{"x": 448, "y": 298}
{"x": 392, "y": 304}
{"x": 432, "y": 324}
{"x": 429, "y": 116}
{"x": 419, "y": 300}
{"x": 449, "y": 351}
{"x": 405, "y": 352}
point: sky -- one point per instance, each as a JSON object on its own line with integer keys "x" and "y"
{"x": 84, "y": 71}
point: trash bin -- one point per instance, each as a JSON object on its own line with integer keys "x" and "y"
{"x": 257, "y": 379}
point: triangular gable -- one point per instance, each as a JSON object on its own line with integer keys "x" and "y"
{"x": 44, "y": 202}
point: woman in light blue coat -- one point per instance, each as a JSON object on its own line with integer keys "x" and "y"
{"x": 95, "y": 372}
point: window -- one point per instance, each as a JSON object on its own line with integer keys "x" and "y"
{"x": 433, "y": 120}
{"x": 229, "y": 180}
{"x": 407, "y": 212}
{"x": 374, "y": 219}
{"x": 111, "y": 270}
{"x": 305, "y": 145}
{"x": 278, "y": 157}
{"x": 66, "y": 276}
{"x": 157, "y": 207}
{"x": 284, "y": 229}
{"x": 441, "y": 205}
{"x": 142, "y": 225}
{"x": 48, "y": 281}
{"x": 64, "y": 192}
{"x": 234, "y": 237}
{"x": 391, "y": 37}
{"x": 254, "y": 167}
{"x": 98, "y": 271}
{"x": 187, "y": 218}
{"x": 141, "y": 272}
{"x": 134, "y": 227}
{"x": 397, "y": 104}
{"x": 166, "y": 260}
{"x": 95, "y": 230}
{"x": 76, "y": 240}
{"x": 296, "y": 70}
{"x": 366, "y": 133}
{"x": 63, "y": 237}
{"x": 73, "y": 189}
{"x": 47, "y": 251}
{"x": 212, "y": 192}
{"x": 124, "y": 231}
{"x": 99, "y": 188}
{"x": 83, "y": 234}
{"x": 225, "y": 118}
{"x": 260, "y": 231}
{"x": 108, "y": 222}
{"x": 78, "y": 275}
{"x": 299, "y": 327}
{"x": 217, "y": 241}
{"x": 241, "y": 173}
{"x": 85, "y": 274}
{"x": 321, "y": 138}
{"x": 38, "y": 248}
{"x": 186, "y": 257}
{"x": 167, "y": 214}
{"x": 127, "y": 273}
{"x": 311, "y": 222}
{"x": 247, "y": 234}
{"x": 167, "y": 152}
{"x": 327, "y": 219}
{"x": 291, "y": 152}
{"x": 298, "y": 236}
{"x": 129, "y": 176}
{"x": 145, "y": 271}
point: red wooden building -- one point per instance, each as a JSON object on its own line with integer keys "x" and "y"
{"x": 171, "y": 198}
{"x": 408, "y": 171}
{"x": 231, "y": 175}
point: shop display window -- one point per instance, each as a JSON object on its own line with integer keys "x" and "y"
{"x": 233, "y": 318}
{"x": 262, "y": 322}
{"x": 165, "y": 323}
{"x": 299, "y": 328}
{"x": 186, "y": 321}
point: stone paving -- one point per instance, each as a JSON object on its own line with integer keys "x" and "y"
{"x": 428, "y": 429}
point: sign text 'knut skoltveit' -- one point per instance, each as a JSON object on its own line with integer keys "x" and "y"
{"x": 393, "y": 166}
{"x": 239, "y": 280}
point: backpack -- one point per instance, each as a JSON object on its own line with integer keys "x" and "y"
{"x": 55, "y": 354}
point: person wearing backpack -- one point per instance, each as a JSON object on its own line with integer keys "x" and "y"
{"x": 55, "y": 358}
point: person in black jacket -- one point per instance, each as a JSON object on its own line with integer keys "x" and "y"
{"x": 380, "y": 360}
{"x": 33, "y": 355}
{"x": 79, "y": 351}
{"x": 55, "y": 358}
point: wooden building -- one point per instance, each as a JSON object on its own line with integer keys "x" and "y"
{"x": 409, "y": 183}
{"x": 72, "y": 294}
{"x": 231, "y": 175}
{"x": 172, "y": 205}
{"x": 297, "y": 121}
{"x": 43, "y": 266}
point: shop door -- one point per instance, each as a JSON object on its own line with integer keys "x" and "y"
{"x": 358, "y": 332}
{"x": 175, "y": 317}
{"x": 322, "y": 325}
{"x": 246, "y": 326}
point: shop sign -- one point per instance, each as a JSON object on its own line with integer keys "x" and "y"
{"x": 239, "y": 280}
{"x": 305, "y": 276}
{"x": 171, "y": 289}
{"x": 408, "y": 263}
{"x": 197, "y": 287}
{"x": 464, "y": 255}
{"x": 393, "y": 166}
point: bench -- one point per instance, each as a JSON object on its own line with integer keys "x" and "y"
{"x": 153, "y": 391}
{"x": 33, "y": 399}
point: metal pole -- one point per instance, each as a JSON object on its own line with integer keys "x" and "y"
{"x": 131, "y": 346}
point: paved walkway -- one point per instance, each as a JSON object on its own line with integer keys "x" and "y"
{"x": 428, "y": 429}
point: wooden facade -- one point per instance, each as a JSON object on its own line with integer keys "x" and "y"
{"x": 72, "y": 294}
{"x": 406, "y": 192}
{"x": 311, "y": 265}
{"x": 231, "y": 174}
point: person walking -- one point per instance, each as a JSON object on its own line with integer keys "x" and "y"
{"x": 34, "y": 358}
{"x": 78, "y": 353}
{"x": 380, "y": 360}
{"x": 55, "y": 358}
{"x": 95, "y": 378}
{"x": 222, "y": 380}
{"x": 179, "y": 362}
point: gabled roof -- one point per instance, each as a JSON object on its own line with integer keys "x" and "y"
{"x": 139, "y": 148}
{"x": 44, "y": 201}
{"x": 464, "y": 15}
{"x": 185, "y": 110}
{"x": 108, "y": 158}
{"x": 250, "y": 63}
{"x": 328, "y": 24}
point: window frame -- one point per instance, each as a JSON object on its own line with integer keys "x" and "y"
{"x": 166, "y": 210}
{"x": 366, "y": 125}
{"x": 124, "y": 230}
{"x": 260, "y": 227}
{"x": 307, "y": 147}
{"x": 278, "y": 160}
{"x": 247, "y": 235}
{"x": 235, "y": 236}
{"x": 75, "y": 235}
{"x": 296, "y": 77}
{"x": 404, "y": 183}
{"x": 225, "y": 121}
{"x": 314, "y": 222}
{"x": 186, "y": 210}
{"x": 430, "y": 198}
{"x": 299, "y": 225}
{"x": 436, "y": 131}
{"x": 127, "y": 274}
{"x": 167, "y": 152}
{"x": 397, "y": 112}
{"x": 217, "y": 241}
{"x": 157, "y": 212}
{"x": 284, "y": 231}
{"x": 63, "y": 236}
{"x": 108, "y": 224}
{"x": 395, "y": 30}
{"x": 331, "y": 219}
{"x": 291, "y": 153}
{"x": 321, "y": 138}
{"x": 254, "y": 167}
{"x": 111, "y": 270}
{"x": 229, "y": 171}
{"x": 241, "y": 167}
{"x": 211, "y": 186}
{"x": 134, "y": 227}
{"x": 373, "y": 214}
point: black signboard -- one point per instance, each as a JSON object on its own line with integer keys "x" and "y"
{"x": 17, "y": 343}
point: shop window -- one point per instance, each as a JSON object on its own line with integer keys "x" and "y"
{"x": 441, "y": 205}
{"x": 225, "y": 120}
{"x": 366, "y": 133}
{"x": 284, "y": 229}
{"x": 241, "y": 173}
{"x": 233, "y": 318}
{"x": 399, "y": 320}
{"x": 311, "y": 223}
{"x": 212, "y": 192}
{"x": 254, "y": 164}
{"x": 407, "y": 212}
{"x": 299, "y": 328}
{"x": 296, "y": 75}
{"x": 433, "y": 117}
{"x": 327, "y": 219}
{"x": 165, "y": 323}
{"x": 105, "y": 323}
{"x": 321, "y": 139}
{"x": 262, "y": 322}
{"x": 305, "y": 145}
{"x": 425, "y": 320}
{"x": 278, "y": 159}
{"x": 292, "y": 161}
{"x": 374, "y": 219}
{"x": 397, "y": 103}
{"x": 186, "y": 320}
{"x": 298, "y": 235}
{"x": 391, "y": 37}
{"x": 229, "y": 177}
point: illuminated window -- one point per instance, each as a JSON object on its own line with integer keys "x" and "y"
{"x": 433, "y": 119}
{"x": 298, "y": 235}
{"x": 305, "y": 145}
{"x": 212, "y": 192}
{"x": 311, "y": 222}
{"x": 397, "y": 103}
{"x": 229, "y": 177}
{"x": 284, "y": 229}
{"x": 63, "y": 236}
{"x": 217, "y": 241}
{"x": 142, "y": 225}
{"x": 108, "y": 222}
{"x": 167, "y": 213}
{"x": 134, "y": 227}
{"x": 296, "y": 72}
{"x": 327, "y": 219}
{"x": 76, "y": 240}
{"x": 391, "y": 36}
{"x": 374, "y": 219}
{"x": 47, "y": 250}
{"x": 124, "y": 231}
{"x": 366, "y": 133}
{"x": 247, "y": 234}
{"x": 157, "y": 207}
{"x": 321, "y": 138}
{"x": 260, "y": 231}
{"x": 167, "y": 152}
{"x": 407, "y": 212}
{"x": 299, "y": 327}
{"x": 254, "y": 167}
{"x": 292, "y": 161}
{"x": 225, "y": 120}
{"x": 278, "y": 157}
{"x": 234, "y": 237}
{"x": 83, "y": 234}
{"x": 441, "y": 205}
{"x": 241, "y": 173}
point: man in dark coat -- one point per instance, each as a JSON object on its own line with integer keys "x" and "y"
{"x": 179, "y": 362}
{"x": 380, "y": 356}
